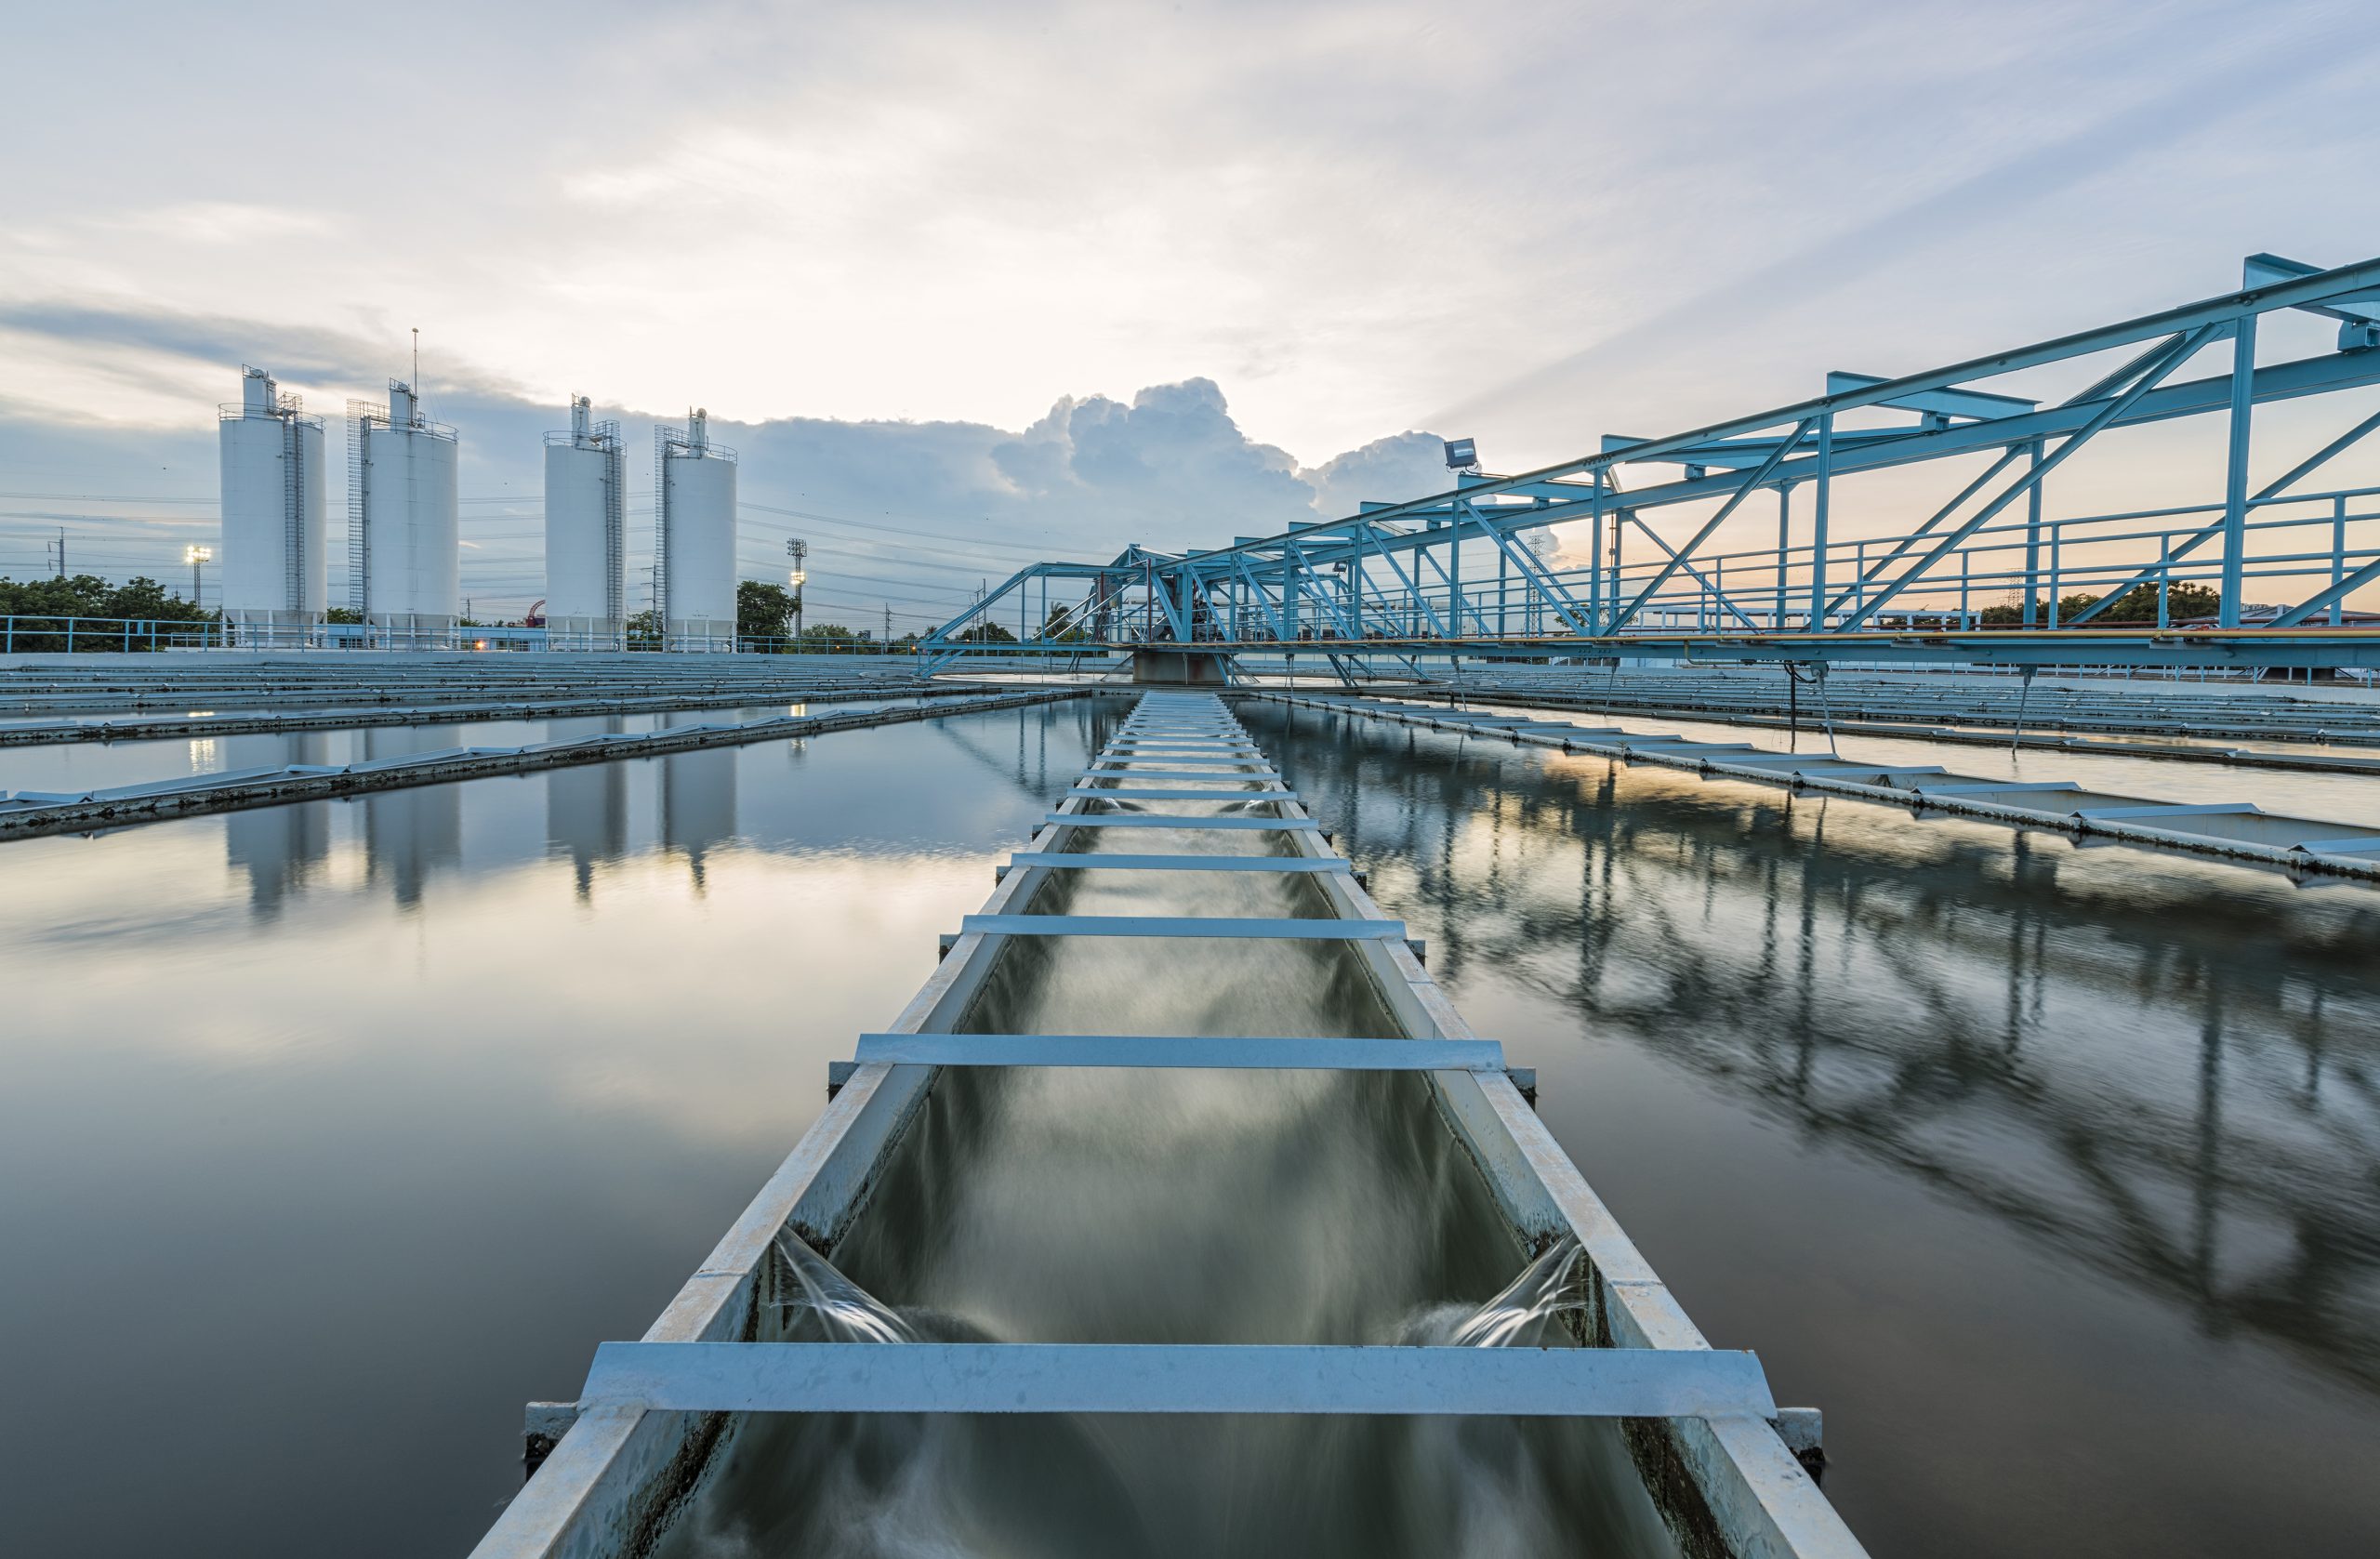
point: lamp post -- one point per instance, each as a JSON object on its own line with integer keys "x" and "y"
{"x": 197, "y": 558}
{"x": 800, "y": 552}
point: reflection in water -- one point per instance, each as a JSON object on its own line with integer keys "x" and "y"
{"x": 2162, "y": 1072}
{"x": 411, "y": 833}
{"x": 190, "y": 1086}
{"x": 697, "y": 799}
{"x": 587, "y": 805}
{"x": 281, "y": 849}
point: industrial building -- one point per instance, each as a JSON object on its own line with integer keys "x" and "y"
{"x": 274, "y": 569}
{"x": 694, "y": 494}
{"x": 404, "y": 527}
{"x": 586, "y": 533}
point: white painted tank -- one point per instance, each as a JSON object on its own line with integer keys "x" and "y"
{"x": 697, "y": 483}
{"x": 586, "y": 511}
{"x": 411, "y": 557}
{"x": 274, "y": 571}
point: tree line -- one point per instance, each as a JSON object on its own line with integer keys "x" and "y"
{"x": 83, "y": 596}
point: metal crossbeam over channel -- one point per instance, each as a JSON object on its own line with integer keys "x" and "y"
{"x": 1322, "y": 930}
{"x": 1708, "y": 1413}
{"x": 1198, "y": 1052}
{"x": 1054, "y": 861}
{"x": 1121, "y": 794}
{"x": 1156, "y": 1377}
{"x": 1171, "y": 820}
{"x": 1223, "y": 777}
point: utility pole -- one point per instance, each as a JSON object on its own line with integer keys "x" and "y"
{"x": 800, "y": 552}
{"x": 888, "y": 625}
{"x": 61, "y": 544}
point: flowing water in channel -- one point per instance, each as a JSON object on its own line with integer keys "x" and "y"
{"x": 1100, "y": 1206}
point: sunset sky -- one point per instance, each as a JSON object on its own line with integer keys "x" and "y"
{"x": 972, "y": 284}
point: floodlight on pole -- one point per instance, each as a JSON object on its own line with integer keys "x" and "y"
{"x": 799, "y": 550}
{"x": 197, "y": 558}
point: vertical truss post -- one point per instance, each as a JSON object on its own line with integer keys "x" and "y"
{"x": 2235, "y": 479}
{"x": 1825, "y": 483}
{"x": 1680, "y": 557}
{"x": 1504, "y": 595}
{"x": 1619, "y": 519}
{"x": 1454, "y": 568}
{"x": 1262, "y": 603}
{"x": 1708, "y": 587}
{"x": 1547, "y": 589}
{"x": 1289, "y": 560}
{"x": 2159, "y": 363}
{"x": 2056, "y": 564}
{"x": 2338, "y": 558}
{"x": 2161, "y": 571}
{"x": 2033, "y": 546}
{"x": 1784, "y": 539}
{"x": 1417, "y": 609}
{"x": 1869, "y": 575}
{"x": 1594, "y": 552}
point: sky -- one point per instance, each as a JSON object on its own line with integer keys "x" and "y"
{"x": 971, "y": 285}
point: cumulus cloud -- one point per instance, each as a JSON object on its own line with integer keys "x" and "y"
{"x": 1402, "y": 466}
{"x": 907, "y": 513}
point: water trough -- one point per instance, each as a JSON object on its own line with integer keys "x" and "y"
{"x": 663, "y": 1425}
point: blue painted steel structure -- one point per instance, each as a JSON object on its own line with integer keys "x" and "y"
{"x": 1455, "y": 575}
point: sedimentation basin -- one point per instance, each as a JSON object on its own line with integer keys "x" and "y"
{"x": 2043, "y": 1168}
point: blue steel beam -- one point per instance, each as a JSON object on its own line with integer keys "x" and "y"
{"x": 1176, "y": 1378}
{"x": 1197, "y": 1053}
{"x": 1286, "y": 583}
{"x": 2030, "y": 482}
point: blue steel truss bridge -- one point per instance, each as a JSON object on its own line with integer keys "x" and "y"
{"x": 1715, "y": 543}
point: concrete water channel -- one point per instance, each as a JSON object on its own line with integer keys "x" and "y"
{"x": 2046, "y": 1170}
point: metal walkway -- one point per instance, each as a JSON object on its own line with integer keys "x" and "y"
{"x": 1703, "y": 1430}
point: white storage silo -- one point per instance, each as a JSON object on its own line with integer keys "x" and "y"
{"x": 694, "y": 494}
{"x": 586, "y": 533}
{"x": 404, "y": 555}
{"x": 275, "y": 575}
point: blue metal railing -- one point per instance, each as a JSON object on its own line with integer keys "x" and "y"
{"x": 29, "y": 633}
{"x": 49, "y": 634}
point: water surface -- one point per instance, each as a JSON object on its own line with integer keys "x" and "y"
{"x": 2049, "y": 1170}
{"x": 332, "y": 1133}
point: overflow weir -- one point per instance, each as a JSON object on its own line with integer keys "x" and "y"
{"x": 1178, "y": 1212}
{"x": 31, "y": 813}
{"x": 2238, "y": 830}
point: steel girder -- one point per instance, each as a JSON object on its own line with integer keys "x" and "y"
{"x": 1390, "y": 580}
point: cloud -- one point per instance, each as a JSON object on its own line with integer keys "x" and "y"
{"x": 298, "y": 353}
{"x": 1402, "y": 466}
{"x": 1971, "y": 205}
{"x": 910, "y": 513}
